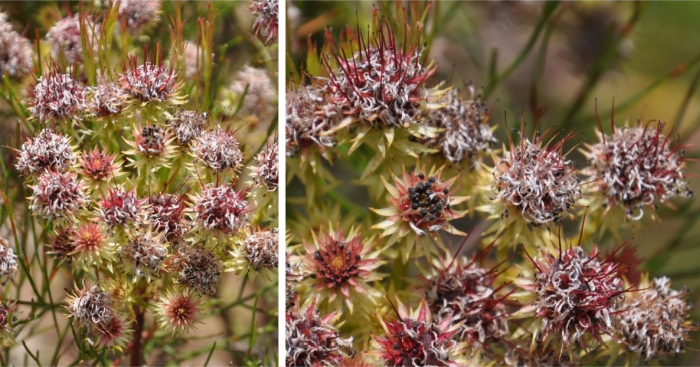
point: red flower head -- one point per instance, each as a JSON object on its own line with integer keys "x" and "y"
{"x": 222, "y": 208}
{"x": 58, "y": 96}
{"x": 164, "y": 213}
{"x": 98, "y": 165}
{"x": 179, "y": 312}
{"x": 120, "y": 207}
{"x": 57, "y": 195}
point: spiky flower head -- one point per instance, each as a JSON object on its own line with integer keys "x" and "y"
{"x": 112, "y": 333}
{"x": 105, "y": 99}
{"x": 413, "y": 339}
{"x": 65, "y": 38}
{"x": 656, "y": 322}
{"x": 151, "y": 141}
{"x": 57, "y": 195}
{"x": 260, "y": 94}
{"x": 575, "y": 294}
{"x": 89, "y": 241}
{"x": 257, "y": 253}
{"x": 98, "y": 165}
{"x": 61, "y": 243}
{"x": 312, "y": 340}
{"x": 637, "y": 167}
{"x": 461, "y": 290}
{"x": 266, "y": 21}
{"x": 536, "y": 181}
{"x": 143, "y": 254}
{"x": 8, "y": 261}
{"x": 16, "y": 52}
{"x": 218, "y": 149}
{"x": 221, "y": 208}
{"x": 90, "y": 306}
{"x": 464, "y": 132}
{"x": 342, "y": 265}
{"x": 309, "y": 120}
{"x": 119, "y": 207}
{"x": 187, "y": 125}
{"x": 137, "y": 15}
{"x": 420, "y": 203}
{"x": 198, "y": 269}
{"x": 150, "y": 82}
{"x": 58, "y": 96}
{"x": 164, "y": 213}
{"x": 48, "y": 150}
{"x": 266, "y": 172}
{"x": 179, "y": 311}
{"x": 382, "y": 83}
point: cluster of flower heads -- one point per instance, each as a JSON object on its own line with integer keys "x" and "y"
{"x": 16, "y": 52}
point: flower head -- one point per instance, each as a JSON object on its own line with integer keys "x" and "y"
{"x": 192, "y": 59}
{"x": 312, "y": 340}
{"x": 57, "y": 195}
{"x": 266, "y": 13}
{"x": 266, "y": 172}
{"x": 179, "y": 311}
{"x": 637, "y": 167}
{"x": 112, "y": 333}
{"x": 149, "y": 82}
{"x": 309, "y": 120}
{"x": 137, "y": 15}
{"x": 151, "y": 141}
{"x": 65, "y": 38}
{"x": 221, "y": 208}
{"x": 257, "y": 253}
{"x": 218, "y": 149}
{"x": 90, "y": 306}
{"x": 143, "y": 254}
{"x": 17, "y": 53}
{"x": 8, "y": 261}
{"x": 61, "y": 244}
{"x": 98, "y": 165}
{"x": 105, "y": 99}
{"x": 260, "y": 95}
{"x": 165, "y": 215}
{"x": 656, "y": 321}
{"x": 46, "y": 151}
{"x": 412, "y": 339}
{"x": 187, "y": 125}
{"x": 120, "y": 207}
{"x": 89, "y": 240}
{"x": 58, "y": 96}
{"x": 198, "y": 268}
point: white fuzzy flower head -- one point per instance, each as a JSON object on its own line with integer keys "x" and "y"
{"x": 8, "y": 261}
{"x": 90, "y": 306}
{"x": 48, "y": 150}
{"x": 221, "y": 208}
{"x": 218, "y": 149}
{"x": 16, "y": 52}
{"x": 65, "y": 39}
{"x": 187, "y": 125}
{"x": 58, "y": 96}
{"x": 57, "y": 195}
{"x": 260, "y": 96}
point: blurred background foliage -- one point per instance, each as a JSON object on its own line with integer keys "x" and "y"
{"x": 552, "y": 63}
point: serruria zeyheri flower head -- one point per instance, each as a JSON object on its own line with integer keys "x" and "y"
{"x": 637, "y": 167}
{"x": 309, "y": 121}
{"x": 18, "y": 52}
{"x": 113, "y": 333}
{"x": 119, "y": 207}
{"x": 198, "y": 269}
{"x": 149, "y": 82}
{"x": 65, "y": 38}
{"x": 218, "y": 149}
{"x": 260, "y": 98}
{"x": 8, "y": 261}
{"x": 152, "y": 148}
{"x": 342, "y": 265}
{"x": 61, "y": 243}
{"x": 256, "y": 253}
{"x": 57, "y": 195}
{"x": 137, "y": 15}
{"x": 519, "y": 356}
{"x": 90, "y": 306}
{"x": 143, "y": 254}
{"x": 89, "y": 242}
{"x": 187, "y": 125}
{"x": 7, "y": 309}
{"x": 48, "y": 150}
{"x": 222, "y": 208}
{"x": 179, "y": 312}
{"x": 98, "y": 165}
{"x": 312, "y": 340}
{"x": 57, "y": 96}
{"x": 165, "y": 214}
{"x": 105, "y": 99}
{"x": 575, "y": 294}
{"x": 413, "y": 339}
{"x": 656, "y": 323}
{"x": 266, "y": 21}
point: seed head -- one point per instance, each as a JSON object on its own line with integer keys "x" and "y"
{"x": 260, "y": 94}
{"x": 148, "y": 82}
{"x": 637, "y": 167}
{"x": 57, "y": 195}
{"x": 137, "y": 15}
{"x": 179, "y": 312}
{"x": 8, "y": 261}
{"x": 120, "y": 207}
{"x": 312, "y": 340}
{"x": 412, "y": 339}
{"x": 65, "y": 38}
{"x": 465, "y": 132}
{"x": 266, "y": 21}
{"x": 266, "y": 172}
{"x": 537, "y": 181}
{"x": 47, "y": 151}
{"x": 165, "y": 215}
{"x": 218, "y": 150}
{"x": 656, "y": 322}
{"x": 90, "y": 306}
{"x": 187, "y": 125}
{"x": 309, "y": 116}
{"x": 98, "y": 165}
{"x": 260, "y": 249}
{"x": 198, "y": 269}
{"x": 143, "y": 254}
{"x": 222, "y": 208}
{"x": 58, "y": 96}
{"x": 16, "y": 52}
{"x": 105, "y": 99}
{"x": 576, "y": 294}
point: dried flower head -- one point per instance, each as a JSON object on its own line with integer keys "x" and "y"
{"x": 340, "y": 264}
{"x": 65, "y": 38}
{"x": 463, "y": 128}
{"x": 137, "y": 15}
{"x": 637, "y": 167}
{"x": 90, "y": 306}
{"x": 260, "y": 95}
{"x": 412, "y": 339}
{"x": 48, "y": 150}
{"x": 149, "y": 82}
{"x": 656, "y": 322}
{"x": 57, "y": 195}
{"x": 105, "y": 99}
{"x": 309, "y": 119}
{"x": 112, "y": 333}
{"x": 58, "y": 96}
{"x": 198, "y": 269}
{"x": 257, "y": 253}
{"x": 266, "y": 172}
{"x": 218, "y": 149}
{"x": 266, "y": 21}
{"x": 16, "y": 52}
{"x": 61, "y": 244}
{"x": 221, "y": 208}
{"x": 98, "y": 165}
{"x": 576, "y": 294}
{"x": 382, "y": 83}
{"x": 165, "y": 215}
{"x": 143, "y": 254}
{"x": 120, "y": 207}
{"x": 187, "y": 125}
{"x": 536, "y": 181}
{"x": 311, "y": 340}
{"x": 8, "y": 261}
{"x": 179, "y": 312}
